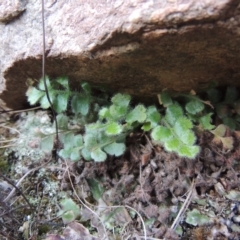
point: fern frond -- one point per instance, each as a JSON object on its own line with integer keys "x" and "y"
{"x": 173, "y": 113}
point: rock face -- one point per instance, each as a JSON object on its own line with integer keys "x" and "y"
{"x": 137, "y": 46}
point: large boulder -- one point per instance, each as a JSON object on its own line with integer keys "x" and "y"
{"x": 137, "y": 46}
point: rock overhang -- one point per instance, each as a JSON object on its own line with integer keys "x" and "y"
{"x": 143, "y": 53}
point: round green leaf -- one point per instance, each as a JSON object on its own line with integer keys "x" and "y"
{"x": 121, "y": 99}
{"x": 172, "y": 145}
{"x": 86, "y": 154}
{"x": 60, "y": 102}
{"x": 146, "y": 126}
{"x": 67, "y": 139}
{"x": 173, "y": 112}
{"x": 41, "y": 84}
{"x": 185, "y": 123}
{"x": 182, "y": 125}
{"x": 64, "y": 82}
{"x": 98, "y": 155}
{"x": 90, "y": 141}
{"x": 34, "y": 95}
{"x": 68, "y": 204}
{"x": 138, "y": 114}
{"x": 165, "y": 98}
{"x": 161, "y": 133}
{"x": 194, "y": 107}
{"x": 188, "y": 151}
{"x": 65, "y": 153}
{"x": 75, "y": 154}
{"x": 153, "y": 116}
{"x": 188, "y": 137}
{"x": 118, "y": 112}
{"x": 104, "y": 113}
{"x": 70, "y": 210}
{"x": 205, "y": 121}
{"x": 80, "y": 104}
{"x": 44, "y": 101}
{"x": 77, "y": 140}
{"x": 113, "y": 128}
{"x": 68, "y": 217}
{"x": 116, "y": 149}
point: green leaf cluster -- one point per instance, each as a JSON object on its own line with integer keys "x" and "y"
{"x": 105, "y": 125}
{"x": 176, "y": 132}
{"x": 72, "y": 146}
{"x": 70, "y": 210}
{"x": 193, "y": 107}
{"x": 107, "y": 135}
{"x": 60, "y": 94}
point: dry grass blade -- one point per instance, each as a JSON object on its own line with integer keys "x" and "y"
{"x": 11, "y": 141}
{"x": 184, "y": 206}
{"x": 21, "y": 179}
{"x": 13, "y": 129}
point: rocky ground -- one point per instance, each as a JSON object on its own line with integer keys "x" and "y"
{"x": 136, "y": 196}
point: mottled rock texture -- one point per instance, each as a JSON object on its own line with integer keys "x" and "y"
{"x": 138, "y": 46}
{"x": 10, "y": 9}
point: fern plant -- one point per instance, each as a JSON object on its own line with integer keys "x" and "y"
{"x": 59, "y": 93}
{"x": 175, "y": 132}
{"x": 107, "y": 125}
{"x": 107, "y": 135}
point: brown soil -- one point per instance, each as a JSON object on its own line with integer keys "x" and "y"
{"x": 155, "y": 183}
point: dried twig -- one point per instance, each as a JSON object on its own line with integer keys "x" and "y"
{"x": 184, "y": 206}
{"x": 21, "y": 179}
{"x": 19, "y": 111}
{"x": 16, "y": 188}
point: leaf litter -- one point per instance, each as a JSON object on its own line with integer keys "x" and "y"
{"x": 142, "y": 190}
